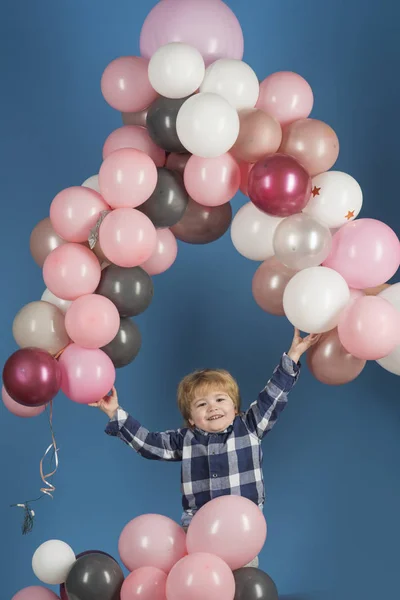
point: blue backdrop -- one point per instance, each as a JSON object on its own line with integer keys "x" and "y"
{"x": 332, "y": 463}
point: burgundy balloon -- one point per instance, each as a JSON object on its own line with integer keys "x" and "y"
{"x": 63, "y": 592}
{"x": 32, "y": 377}
{"x": 279, "y": 185}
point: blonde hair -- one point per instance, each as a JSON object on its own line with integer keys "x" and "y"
{"x": 206, "y": 380}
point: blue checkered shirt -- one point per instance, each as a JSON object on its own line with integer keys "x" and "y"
{"x": 215, "y": 464}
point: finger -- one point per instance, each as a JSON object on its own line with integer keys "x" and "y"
{"x": 94, "y": 404}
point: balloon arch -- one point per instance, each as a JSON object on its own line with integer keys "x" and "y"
{"x": 198, "y": 126}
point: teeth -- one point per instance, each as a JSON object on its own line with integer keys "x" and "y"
{"x": 214, "y": 418}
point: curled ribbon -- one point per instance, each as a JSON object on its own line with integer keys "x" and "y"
{"x": 49, "y": 489}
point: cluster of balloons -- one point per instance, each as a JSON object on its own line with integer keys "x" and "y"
{"x": 164, "y": 562}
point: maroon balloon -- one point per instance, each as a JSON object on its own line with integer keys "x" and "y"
{"x": 279, "y": 185}
{"x": 32, "y": 377}
{"x": 63, "y": 591}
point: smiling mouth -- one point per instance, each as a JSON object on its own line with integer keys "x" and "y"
{"x": 215, "y": 417}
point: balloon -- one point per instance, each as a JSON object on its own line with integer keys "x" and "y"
{"x": 131, "y": 290}
{"x": 279, "y": 185}
{"x": 231, "y": 527}
{"x": 152, "y": 541}
{"x": 31, "y": 377}
{"x": 177, "y": 162}
{"x": 245, "y": 169}
{"x": 203, "y": 224}
{"x": 167, "y": 205}
{"x": 234, "y": 80}
{"x": 52, "y": 562}
{"x": 176, "y": 70}
{"x": 201, "y": 576}
{"x": 336, "y": 198}
{"x": 391, "y": 362}
{"x": 35, "y": 592}
{"x": 370, "y": 328}
{"x": 92, "y": 321}
{"x": 161, "y": 123}
{"x": 44, "y": 240}
{"x": 62, "y": 305}
{"x": 18, "y": 409}
{"x": 254, "y": 584}
{"x": 127, "y": 237}
{"x": 135, "y": 118}
{"x": 269, "y": 283}
{"x": 212, "y": 181}
{"x": 365, "y": 252}
{"x": 127, "y": 178}
{"x": 286, "y": 96}
{"x": 40, "y": 325}
{"x": 75, "y": 211}
{"x": 164, "y": 255}
{"x": 301, "y": 242}
{"x": 92, "y": 183}
{"x": 207, "y": 125}
{"x": 313, "y": 143}
{"x": 209, "y": 26}
{"x": 125, "y": 346}
{"x": 94, "y": 577}
{"x": 86, "y": 375}
{"x": 259, "y": 135}
{"x": 125, "y": 84}
{"x": 146, "y": 583}
{"x": 314, "y": 299}
{"x": 63, "y": 591}
{"x": 252, "y": 232}
{"x": 70, "y": 271}
{"x": 330, "y": 362}
{"x": 138, "y": 138}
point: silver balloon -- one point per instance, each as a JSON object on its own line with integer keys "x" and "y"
{"x": 301, "y": 242}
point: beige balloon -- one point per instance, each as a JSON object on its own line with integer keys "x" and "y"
{"x": 259, "y": 135}
{"x": 44, "y": 240}
{"x": 135, "y": 118}
{"x": 40, "y": 325}
{"x": 269, "y": 283}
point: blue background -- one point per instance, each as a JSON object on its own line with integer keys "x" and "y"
{"x": 332, "y": 463}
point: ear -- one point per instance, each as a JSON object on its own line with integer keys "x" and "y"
{"x": 191, "y": 422}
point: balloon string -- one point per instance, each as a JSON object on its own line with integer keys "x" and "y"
{"x": 49, "y": 489}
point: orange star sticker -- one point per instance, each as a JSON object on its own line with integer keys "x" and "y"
{"x": 350, "y": 215}
{"x": 315, "y": 191}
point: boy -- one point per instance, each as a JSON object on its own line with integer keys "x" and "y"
{"x": 220, "y": 448}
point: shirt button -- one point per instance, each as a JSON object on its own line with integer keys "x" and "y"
{"x": 215, "y": 475}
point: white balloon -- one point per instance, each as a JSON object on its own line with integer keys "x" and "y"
{"x": 63, "y": 305}
{"x": 314, "y": 299}
{"x": 336, "y": 199}
{"x": 207, "y": 125}
{"x": 252, "y": 232}
{"x": 52, "y": 562}
{"x": 92, "y": 183}
{"x": 176, "y": 70}
{"x": 234, "y": 80}
{"x": 391, "y": 362}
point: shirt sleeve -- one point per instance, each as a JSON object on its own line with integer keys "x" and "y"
{"x": 263, "y": 413}
{"x": 167, "y": 445}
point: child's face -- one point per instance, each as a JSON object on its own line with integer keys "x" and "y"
{"x": 213, "y": 411}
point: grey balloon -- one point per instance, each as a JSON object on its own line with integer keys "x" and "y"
{"x": 301, "y": 242}
{"x": 94, "y": 577}
{"x": 161, "y": 123}
{"x": 167, "y": 204}
{"x": 124, "y": 348}
{"x": 254, "y": 584}
{"x": 130, "y": 289}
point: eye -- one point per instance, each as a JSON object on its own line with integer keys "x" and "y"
{"x": 201, "y": 404}
{"x": 221, "y": 399}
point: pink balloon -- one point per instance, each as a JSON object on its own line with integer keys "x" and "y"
{"x": 366, "y": 252}
{"x": 201, "y": 576}
{"x": 286, "y": 96}
{"x": 127, "y": 178}
{"x": 71, "y": 270}
{"x": 18, "y": 409}
{"x": 125, "y": 84}
{"x": 152, "y": 541}
{"x": 145, "y": 583}
{"x": 127, "y": 237}
{"x": 164, "y": 254}
{"x": 92, "y": 321}
{"x": 245, "y": 169}
{"x": 131, "y": 136}
{"x": 74, "y": 212}
{"x": 212, "y": 181}
{"x": 35, "y": 592}
{"x": 369, "y": 328}
{"x": 209, "y": 26}
{"x": 232, "y": 527}
{"x": 86, "y": 375}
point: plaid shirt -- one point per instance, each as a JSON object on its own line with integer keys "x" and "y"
{"x": 216, "y": 464}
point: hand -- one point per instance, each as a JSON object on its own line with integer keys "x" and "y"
{"x": 301, "y": 345}
{"x": 108, "y": 404}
